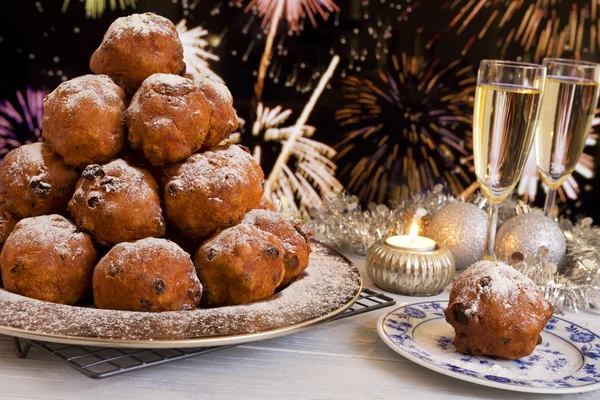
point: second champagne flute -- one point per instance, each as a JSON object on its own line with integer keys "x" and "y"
{"x": 507, "y": 103}
{"x": 566, "y": 115}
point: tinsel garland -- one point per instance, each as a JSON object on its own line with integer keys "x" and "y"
{"x": 343, "y": 224}
{"x": 575, "y": 286}
{"x": 583, "y": 241}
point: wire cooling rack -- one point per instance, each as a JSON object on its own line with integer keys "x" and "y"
{"x": 103, "y": 362}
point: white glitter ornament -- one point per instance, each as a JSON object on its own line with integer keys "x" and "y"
{"x": 460, "y": 227}
{"x": 526, "y": 233}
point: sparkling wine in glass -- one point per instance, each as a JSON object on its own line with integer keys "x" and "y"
{"x": 566, "y": 114}
{"x": 507, "y": 102}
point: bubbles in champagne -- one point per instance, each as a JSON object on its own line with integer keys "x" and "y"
{"x": 566, "y": 115}
{"x": 503, "y": 131}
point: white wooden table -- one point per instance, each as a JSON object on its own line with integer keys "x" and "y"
{"x": 338, "y": 360}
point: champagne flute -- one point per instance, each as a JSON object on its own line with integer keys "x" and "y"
{"x": 566, "y": 115}
{"x": 506, "y": 109}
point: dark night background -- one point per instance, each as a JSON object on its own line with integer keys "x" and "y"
{"x": 40, "y": 46}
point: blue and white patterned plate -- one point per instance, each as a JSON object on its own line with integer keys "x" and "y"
{"x": 567, "y": 361}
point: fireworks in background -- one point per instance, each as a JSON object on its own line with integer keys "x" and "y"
{"x": 515, "y": 27}
{"x": 300, "y": 55}
{"x": 294, "y": 11}
{"x": 310, "y": 174}
{"x": 356, "y": 30}
{"x": 540, "y": 28}
{"x": 530, "y": 30}
{"x": 303, "y": 171}
{"x": 570, "y": 189}
{"x": 361, "y": 40}
{"x": 195, "y": 45}
{"x": 21, "y": 123}
{"x": 266, "y": 127}
{"x": 408, "y": 129}
{"x": 95, "y": 8}
{"x": 364, "y": 33}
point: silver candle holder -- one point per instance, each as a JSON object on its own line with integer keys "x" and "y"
{"x": 412, "y": 272}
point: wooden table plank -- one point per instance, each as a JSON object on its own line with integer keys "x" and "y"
{"x": 344, "y": 359}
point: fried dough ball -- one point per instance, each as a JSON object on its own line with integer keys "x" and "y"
{"x": 212, "y": 190}
{"x": 137, "y": 46}
{"x": 496, "y": 311}
{"x": 224, "y": 119}
{"x": 168, "y": 118}
{"x": 294, "y": 238}
{"x": 7, "y": 222}
{"x": 239, "y": 265}
{"x": 148, "y": 275}
{"x": 34, "y": 181}
{"x": 83, "y": 120}
{"x": 117, "y": 203}
{"x": 48, "y": 259}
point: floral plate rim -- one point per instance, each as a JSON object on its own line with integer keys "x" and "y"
{"x": 473, "y": 378}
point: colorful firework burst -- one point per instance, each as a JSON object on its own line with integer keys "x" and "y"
{"x": 309, "y": 174}
{"x": 95, "y": 8}
{"x": 195, "y": 45}
{"x": 21, "y": 123}
{"x": 570, "y": 189}
{"x": 359, "y": 32}
{"x": 361, "y": 36}
{"x": 293, "y": 11}
{"x": 272, "y": 12}
{"x": 537, "y": 26}
{"x": 408, "y": 128}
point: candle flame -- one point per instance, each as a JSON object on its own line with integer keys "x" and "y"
{"x": 414, "y": 230}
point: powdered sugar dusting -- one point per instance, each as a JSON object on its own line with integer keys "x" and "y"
{"x": 140, "y": 248}
{"x": 224, "y": 119}
{"x": 216, "y": 88}
{"x": 206, "y": 169}
{"x": 168, "y": 79}
{"x": 238, "y": 236}
{"x": 280, "y": 226}
{"x": 29, "y": 156}
{"x": 136, "y": 24}
{"x": 505, "y": 285}
{"x": 122, "y": 176}
{"x": 97, "y": 91}
{"x": 54, "y": 230}
{"x": 329, "y": 283}
{"x": 174, "y": 86}
{"x": 101, "y": 192}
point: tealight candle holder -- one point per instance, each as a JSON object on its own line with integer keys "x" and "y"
{"x": 410, "y": 265}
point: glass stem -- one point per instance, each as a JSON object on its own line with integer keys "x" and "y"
{"x": 490, "y": 237}
{"x": 550, "y": 200}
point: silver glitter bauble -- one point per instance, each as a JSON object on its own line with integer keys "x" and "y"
{"x": 461, "y": 227}
{"x": 526, "y": 233}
